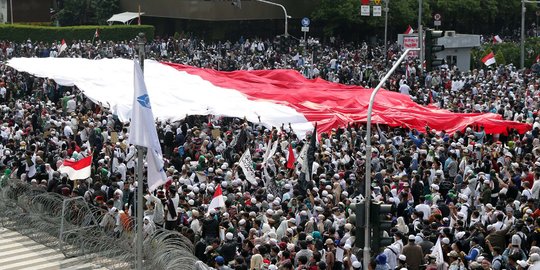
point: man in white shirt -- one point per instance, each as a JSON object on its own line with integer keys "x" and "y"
{"x": 424, "y": 208}
{"x": 405, "y": 89}
{"x": 71, "y": 105}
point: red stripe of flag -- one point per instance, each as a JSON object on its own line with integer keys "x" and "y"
{"x": 80, "y": 164}
{"x": 218, "y": 191}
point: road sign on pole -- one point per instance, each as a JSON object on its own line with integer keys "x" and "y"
{"x": 364, "y": 10}
{"x": 305, "y": 22}
{"x": 377, "y": 11}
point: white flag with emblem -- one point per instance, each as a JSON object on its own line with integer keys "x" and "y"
{"x": 142, "y": 131}
{"x": 246, "y": 163}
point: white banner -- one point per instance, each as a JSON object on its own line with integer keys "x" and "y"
{"x": 272, "y": 152}
{"x": 246, "y": 163}
{"x": 411, "y": 42}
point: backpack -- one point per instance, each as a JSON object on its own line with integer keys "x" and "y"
{"x": 500, "y": 259}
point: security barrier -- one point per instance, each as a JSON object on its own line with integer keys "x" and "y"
{"x": 73, "y": 226}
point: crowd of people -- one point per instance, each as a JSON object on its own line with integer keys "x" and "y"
{"x": 467, "y": 200}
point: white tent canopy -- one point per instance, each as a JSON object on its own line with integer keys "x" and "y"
{"x": 125, "y": 17}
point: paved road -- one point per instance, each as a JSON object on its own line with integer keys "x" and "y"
{"x": 20, "y": 252}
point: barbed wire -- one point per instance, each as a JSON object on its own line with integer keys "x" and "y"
{"x": 73, "y": 225}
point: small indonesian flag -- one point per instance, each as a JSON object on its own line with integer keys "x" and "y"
{"x": 489, "y": 59}
{"x": 63, "y": 46}
{"x": 290, "y": 159}
{"x": 409, "y": 30}
{"x": 217, "y": 200}
{"x": 77, "y": 169}
{"x": 497, "y": 39}
{"x": 96, "y": 34}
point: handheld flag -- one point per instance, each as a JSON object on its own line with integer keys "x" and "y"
{"x": 63, "y": 46}
{"x": 217, "y": 200}
{"x": 142, "y": 131}
{"x": 409, "y": 30}
{"x": 246, "y": 163}
{"x": 489, "y": 59}
{"x": 290, "y": 158}
{"x": 96, "y": 34}
{"x": 438, "y": 252}
{"x": 75, "y": 170}
{"x": 497, "y": 39}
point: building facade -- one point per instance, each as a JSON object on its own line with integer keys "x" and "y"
{"x": 221, "y": 19}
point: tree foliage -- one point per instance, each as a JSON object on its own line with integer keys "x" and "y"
{"x": 80, "y": 12}
{"x": 339, "y": 17}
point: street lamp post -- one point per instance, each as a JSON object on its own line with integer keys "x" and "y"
{"x": 420, "y": 35}
{"x": 367, "y": 231}
{"x": 284, "y": 11}
{"x": 385, "y": 51}
{"x": 522, "y": 41}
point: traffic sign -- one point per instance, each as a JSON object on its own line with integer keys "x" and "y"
{"x": 377, "y": 11}
{"x": 305, "y": 29}
{"x": 305, "y": 22}
{"x": 364, "y": 10}
{"x": 377, "y": 2}
{"x": 437, "y": 16}
{"x": 437, "y": 23}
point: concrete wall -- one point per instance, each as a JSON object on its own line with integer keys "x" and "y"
{"x": 462, "y": 55}
{"x": 219, "y": 10}
{"x": 30, "y": 10}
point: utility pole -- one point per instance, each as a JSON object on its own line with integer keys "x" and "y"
{"x": 385, "y": 51}
{"x": 420, "y": 35}
{"x": 11, "y": 10}
{"x": 522, "y": 42}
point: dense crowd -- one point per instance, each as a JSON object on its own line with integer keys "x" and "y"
{"x": 474, "y": 195}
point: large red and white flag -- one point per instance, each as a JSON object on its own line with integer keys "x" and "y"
{"x": 269, "y": 97}
{"x": 75, "y": 170}
{"x": 63, "y": 46}
{"x": 497, "y": 39}
{"x": 217, "y": 200}
{"x": 409, "y": 30}
{"x": 489, "y": 59}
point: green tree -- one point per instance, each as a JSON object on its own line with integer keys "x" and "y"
{"x": 74, "y": 12}
{"x": 104, "y": 9}
{"x": 342, "y": 17}
{"x": 80, "y": 12}
{"x": 499, "y": 58}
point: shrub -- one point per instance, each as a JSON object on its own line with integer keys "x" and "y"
{"x": 19, "y": 33}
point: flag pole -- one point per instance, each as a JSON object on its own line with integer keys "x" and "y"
{"x": 140, "y": 164}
